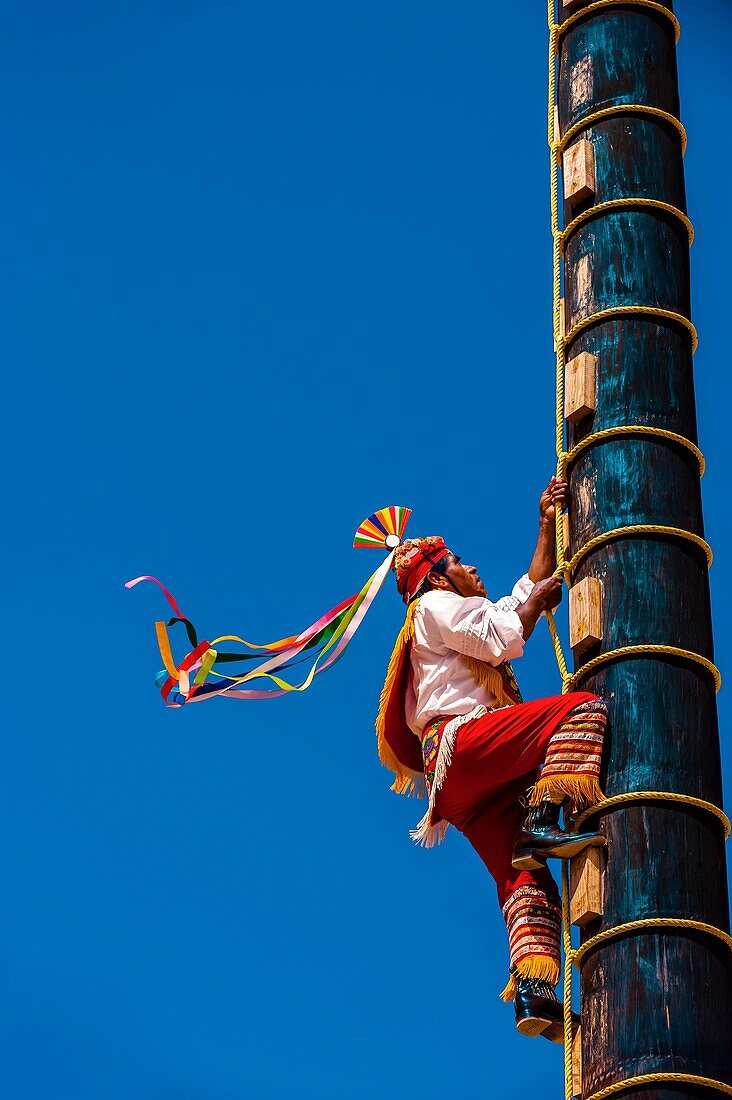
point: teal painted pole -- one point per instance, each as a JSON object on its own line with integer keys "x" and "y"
{"x": 652, "y": 1001}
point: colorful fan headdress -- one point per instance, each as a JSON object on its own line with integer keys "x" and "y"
{"x": 204, "y": 670}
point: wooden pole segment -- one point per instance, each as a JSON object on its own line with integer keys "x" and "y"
{"x": 651, "y": 1001}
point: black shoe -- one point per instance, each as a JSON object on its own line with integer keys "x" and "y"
{"x": 540, "y": 838}
{"x": 538, "y": 1012}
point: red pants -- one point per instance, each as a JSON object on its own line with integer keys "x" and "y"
{"x": 494, "y": 762}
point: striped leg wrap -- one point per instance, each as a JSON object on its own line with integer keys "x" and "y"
{"x": 533, "y": 919}
{"x": 572, "y": 766}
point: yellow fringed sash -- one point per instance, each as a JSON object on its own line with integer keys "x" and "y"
{"x": 489, "y": 677}
{"x": 405, "y": 780}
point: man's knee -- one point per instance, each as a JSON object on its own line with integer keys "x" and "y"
{"x": 590, "y": 704}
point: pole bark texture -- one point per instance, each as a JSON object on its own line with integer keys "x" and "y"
{"x": 651, "y": 1001}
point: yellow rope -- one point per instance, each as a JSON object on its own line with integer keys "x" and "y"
{"x": 557, "y": 252}
{"x": 658, "y": 924}
{"x": 568, "y": 960}
{"x": 562, "y": 28}
{"x": 659, "y": 1078}
{"x": 652, "y": 796}
{"x": 610, "y": 112}
{"x": 632, "y": 311}
{"x": 635, "y": 529}
{"x": 566, "y": 458}
{"x": 648, "y": 650}
{"x": 621, "y": 204}
{"x": 558, "y": 652}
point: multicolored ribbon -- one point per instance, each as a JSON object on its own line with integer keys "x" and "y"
{"x": 327, "y": 638}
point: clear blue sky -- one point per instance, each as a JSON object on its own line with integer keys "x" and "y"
{"x": 267, "y": 267}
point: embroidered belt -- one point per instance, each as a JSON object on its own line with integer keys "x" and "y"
{"x": 431, "y": 737}
{"x": 440, "y": 742}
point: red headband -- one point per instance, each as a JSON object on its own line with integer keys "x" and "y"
{"x": 414, "y": 559}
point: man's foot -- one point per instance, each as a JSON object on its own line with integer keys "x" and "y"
{"x": 538, "y": 1012}
{"x": 540, "y": 838}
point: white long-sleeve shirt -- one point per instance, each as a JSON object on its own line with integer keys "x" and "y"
{"x": 446, "y": 626}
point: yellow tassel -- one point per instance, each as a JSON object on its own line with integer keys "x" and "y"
{"x": 582, "y": 790}
{"x": 490, "y": 678}
{"x": 532, "y": 966}
{"x": 410, "y": 783}
{"x": 508, "y": 993}
{"x": 405, "y": 780}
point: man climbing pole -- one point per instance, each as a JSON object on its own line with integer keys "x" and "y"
{"x": 451, "y": 723}
{"x": 498, "y": 769}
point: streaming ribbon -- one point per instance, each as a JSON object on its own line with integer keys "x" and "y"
{"x": 328, "y": 637}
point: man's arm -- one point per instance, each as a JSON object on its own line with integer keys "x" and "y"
{"x": 478, "y": 628}
{"x": 545, "y": 596}
{"x": 544, "y": 561}
{"x": 475, "y": 627}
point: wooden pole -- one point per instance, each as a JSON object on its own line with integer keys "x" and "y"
{"x": 650, "y": 1001}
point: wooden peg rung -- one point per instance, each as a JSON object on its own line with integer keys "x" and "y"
{"x": 557, "y": 129}
{"x": 578, "y": 170}
{"x": 577, "y": 1062}
{"x": 565, "y": 535}
{"x": 585, "y": 614}
{"x": 580, "y": 387}
{"x": 585, "y": 891}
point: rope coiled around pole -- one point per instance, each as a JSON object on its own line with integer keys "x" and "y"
{"x": 598, "y": 5}
{"x": 566, "y": 458}
{"x": 612, "y": 312}
{"x": 661, "y": 1079}
{"x": 611, "y": 206}
{"x": 653, "y": 796}
{"x": 619, "y": 109}
{"x": 636, "y": 529}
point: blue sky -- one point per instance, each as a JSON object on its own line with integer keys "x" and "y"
{"x": 268, "y": 267}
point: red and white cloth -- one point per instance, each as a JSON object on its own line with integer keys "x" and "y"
{"x": 494, "y": 762}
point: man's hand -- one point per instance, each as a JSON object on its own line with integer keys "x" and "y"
{"x": 544, "y": 559}
{"x": 545, "y": 596}
{"x": 553, "y": 497}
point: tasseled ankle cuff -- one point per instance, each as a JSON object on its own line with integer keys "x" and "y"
{"x": 531, "y": 966}
{"x": 582, "y": 790}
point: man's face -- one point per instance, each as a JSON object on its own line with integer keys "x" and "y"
{"x": 465, "y": 578}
